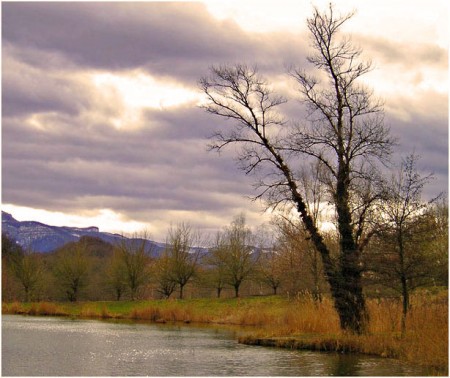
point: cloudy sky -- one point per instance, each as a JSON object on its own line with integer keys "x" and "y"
{"x": 100, "y": 117}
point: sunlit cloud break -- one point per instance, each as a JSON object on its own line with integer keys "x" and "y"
{"x": 137, "y": 91}
{"x": 107, "y": 218}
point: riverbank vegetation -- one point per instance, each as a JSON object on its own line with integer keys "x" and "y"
{"x": 298, "y": 323}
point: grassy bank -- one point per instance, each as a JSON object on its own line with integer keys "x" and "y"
{"x": 298, "y": 324}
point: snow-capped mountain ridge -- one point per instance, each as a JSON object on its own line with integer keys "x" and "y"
{"x": 41, "y": 237}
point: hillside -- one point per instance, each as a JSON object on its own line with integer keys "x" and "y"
{"x": 41, "y": 237}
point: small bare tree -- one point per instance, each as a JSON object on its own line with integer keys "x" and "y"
{"x": 270, "y": 268}
{"x": 134, "y": 255}
{"x": 215, "y": 265}
{"x": 345, "y": 133}
{"x": 302, "y": 267}
{"x": 234, "y": 253}
{"x": 163, "y": 275}
{"x": 182, "y": 254}
{"x": 28, "y": 269}
{"x": 116, "y": 275}
{"x": 71, "y": 268}
{"x": 401, "y": 261}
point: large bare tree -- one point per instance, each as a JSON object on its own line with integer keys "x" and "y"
{"x": 343, "y": 130}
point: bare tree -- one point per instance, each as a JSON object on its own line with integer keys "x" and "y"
{"x": 116, "y": 275}
{"x": 182, "y": 254}
{"x": 28, "y": 269}
{"x": 135, "y": 256}
{"x": 345, "y": 132}
{"x": 401, "y": 260}
{"x": 438, "y": 217}
{"x": 301, "y": 265}
{"x": 215, "y": 265}
{"x": 164, "y": 277}
{"x": 314, "y": 186}
{"x": 270, "y": 268}
{"x": 71, "y": 269}
{"x": 234, "y": 253}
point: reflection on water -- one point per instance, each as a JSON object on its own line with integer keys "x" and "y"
{"x": 37, "y": 346}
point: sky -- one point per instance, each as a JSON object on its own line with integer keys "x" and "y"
{"x": 101, "y": 124}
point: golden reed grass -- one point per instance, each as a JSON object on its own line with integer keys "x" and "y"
{"x": 307, "y": 325}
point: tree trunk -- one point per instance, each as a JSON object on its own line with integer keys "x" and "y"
{"x": 350, "y": 300}
{"x": 349, "y": 303}
{"x": 345, "y": 280}
{"x": 181, "y": 291}
{"x": 405, "y": 300}
{"x": 404, "y": 283}
{"x": 317, "y": 296}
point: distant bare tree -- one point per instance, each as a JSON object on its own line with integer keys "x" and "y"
{"x": 29, "y": 271}
{"x": 135, "y": 256}
{"x": 234, "y": 253}
{"x": 164, "y": 277}
{"x": 438, "y": 217}
{"x": 270, "y": 268}
{"x": 11, "y": 251}
{"x": 116, "y": 275}
{"x": 301, "y": 265}
{"x": 345, "y": 133}
{"x": 314, "y": 185}
{"x": 215, "y": 264}
{"x": 71, "y": 268}
{"x": 182, "y": 255}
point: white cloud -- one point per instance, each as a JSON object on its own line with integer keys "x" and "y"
{"x": 136, "y": 90}
{"x": 405, "y": 21}
{"x": 108, "y": 219}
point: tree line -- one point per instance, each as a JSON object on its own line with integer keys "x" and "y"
{"x": 276, "y": 259}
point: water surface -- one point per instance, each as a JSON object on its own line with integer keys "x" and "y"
{"x": 47, "y": 346}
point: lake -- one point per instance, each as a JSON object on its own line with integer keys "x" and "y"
{"x": 51, "y": 346}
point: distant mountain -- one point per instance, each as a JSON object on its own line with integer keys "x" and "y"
{"x": 41, "y": 237}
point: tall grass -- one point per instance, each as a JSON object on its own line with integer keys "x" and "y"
{"x": 300, "y": 323}
{"x": 307, "y": 325}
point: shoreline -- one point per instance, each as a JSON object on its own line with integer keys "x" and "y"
{"x": 269, "y": 322}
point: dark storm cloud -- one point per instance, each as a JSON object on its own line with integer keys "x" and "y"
{"x": 427, "y": 139}
{"x": 175, "y": 39}
{"x": 83, "y": 167}
{"x": 31, "y": 89}
{"x": 422, "y": 129}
